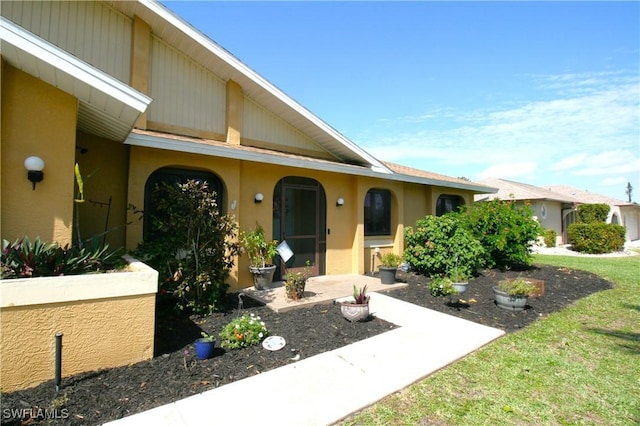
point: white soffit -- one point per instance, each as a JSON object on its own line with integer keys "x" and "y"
{"x": 107, "y": 107}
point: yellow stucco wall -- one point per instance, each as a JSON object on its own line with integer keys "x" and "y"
{"x": 417, "y": 203}
{"x": 243, "y": 179}
{"x": 104, "y": 167}
{"x": 97, "y": 334}
{"x": 37, "y": 119}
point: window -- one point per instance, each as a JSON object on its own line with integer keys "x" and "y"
{"x": 377, "y": 212}
{"x": 448, "y": 203}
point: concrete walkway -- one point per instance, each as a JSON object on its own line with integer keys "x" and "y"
{"x": 323, "y": 389}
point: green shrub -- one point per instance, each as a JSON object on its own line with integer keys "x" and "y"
{"x": 26, "y": 259}
{"x": 593, "y": 213}
{"x": 550, "y": 236}
{"x": 596, "y": 237}
{"x": 505, "y": 230}
{"x": 193, "y": 246}
{"x": 440, "y": 245}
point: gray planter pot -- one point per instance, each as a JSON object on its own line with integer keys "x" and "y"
{"x": 460, "y": 287}
{"x": 387, "y": 274}
{"x": 509, "y": 302}
{"x": 262, "y": 277}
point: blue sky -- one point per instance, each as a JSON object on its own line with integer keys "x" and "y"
{"x": 543, "y": 93}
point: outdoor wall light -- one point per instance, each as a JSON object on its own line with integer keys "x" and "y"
{"x": 34, "y": 166}
{"x": 258, "y": 198}
{"x": 340, "y": 202}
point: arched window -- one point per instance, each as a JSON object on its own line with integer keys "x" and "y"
{"x": 175, "y": 176}
{"x": 448, "y": 203}
{"x": 377, "y": 212}
{"x": 614, "y": 219}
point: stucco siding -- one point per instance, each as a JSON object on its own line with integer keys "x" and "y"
{"x": 40, "y": 120}
{"x": 104, "y": 166}
{"x": 631, "y": 221}
{"x": 100, "y": 333}
{"x": 90, "y": 31}
{"x": 186, "y": 95}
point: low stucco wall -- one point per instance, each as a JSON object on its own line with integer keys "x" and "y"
{"x": 107, "y": 320}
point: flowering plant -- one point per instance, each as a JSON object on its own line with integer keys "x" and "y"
{"x": 442, "y": 286}
{"x": 244, "y": 331}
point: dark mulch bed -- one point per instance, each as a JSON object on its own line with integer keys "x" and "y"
{"x": 175, "y": 373}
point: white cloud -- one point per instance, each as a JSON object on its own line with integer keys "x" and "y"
{"x": 588, "y": 125}
{"x": 569, "y": 162}
{"x": 614, "y": 181}
{"x": 508, "y": 170}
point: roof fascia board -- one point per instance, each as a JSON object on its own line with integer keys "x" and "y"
{"x": 61, "y": 60}
{"x": 234, "y": 62}
{"x": 150, "y": 141}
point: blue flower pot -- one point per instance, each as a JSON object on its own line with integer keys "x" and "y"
{"x": 205, "y": 348}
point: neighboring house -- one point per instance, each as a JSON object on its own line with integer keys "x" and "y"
{"x": 621, "y": 212}
{"x": 553, "y": 210}
{"x": 555, "y": 207}
{"x": 136, "y": 96}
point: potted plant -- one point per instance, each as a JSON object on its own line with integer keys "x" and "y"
{"x": 261, "y": 252}
{"x": 244, "y": 331}
{"x": 295, "y": 283}
{"x": 389, "y": 267}
{"x": 459, "y": 279}
{"x": 205, "y": 346}
{"x": 358, "y": 308}
{"x": 442, "y": 286}
{"x": 513, "y": 294}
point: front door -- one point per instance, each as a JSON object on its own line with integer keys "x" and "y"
{"x": 300, "y": 220}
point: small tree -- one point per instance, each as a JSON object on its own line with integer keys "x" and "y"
{"x": 193, "y": 247}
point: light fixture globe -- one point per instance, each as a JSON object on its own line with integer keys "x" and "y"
{"x": 34, "y": 166}
{"x": 258, "y": 198}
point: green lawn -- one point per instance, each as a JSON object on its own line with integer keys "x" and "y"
{"x": 577, "y": 366}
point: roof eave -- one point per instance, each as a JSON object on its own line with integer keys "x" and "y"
{"x": 37, "y": 57}
{"x": 173, "y": 144}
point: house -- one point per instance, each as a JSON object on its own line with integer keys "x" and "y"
{"x": 621, "y": 212}
{"x": 555, "y": 207}
{"x": 135, "y": 96}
